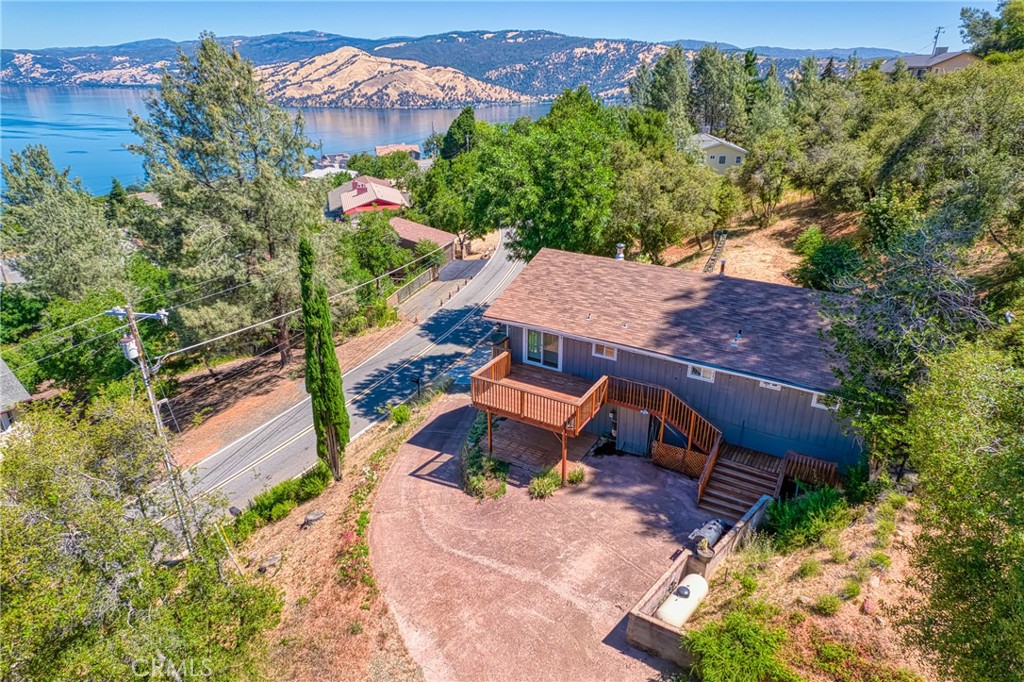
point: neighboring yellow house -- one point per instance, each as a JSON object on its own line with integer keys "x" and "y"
{"x": 719, "y": 154}
{"x": 939, "y": 61}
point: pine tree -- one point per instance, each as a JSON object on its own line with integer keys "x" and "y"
{"x": 323, "y": 376}
{"x": 115, "y": 198}
{"x": 460, "y": 135}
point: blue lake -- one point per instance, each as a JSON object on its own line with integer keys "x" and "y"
{"x": 88, "y": 128}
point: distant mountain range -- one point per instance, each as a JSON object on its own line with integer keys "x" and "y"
{"x": 321, "y": 69}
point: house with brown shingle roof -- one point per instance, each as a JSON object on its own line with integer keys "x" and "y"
{"x": 413, "y": 150}
{"x": 411, "y": 233}
{"x": 720, "y": 368}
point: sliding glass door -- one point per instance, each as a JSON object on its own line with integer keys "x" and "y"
{"x": 542, "y": 348}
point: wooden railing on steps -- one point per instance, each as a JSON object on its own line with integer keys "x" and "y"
{"x": 811, "y": 469}
{"x": 705, "y": 475}
{"x": 661, "y": 402}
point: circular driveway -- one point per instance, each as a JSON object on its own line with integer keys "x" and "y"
{"x": 517, "y": 589}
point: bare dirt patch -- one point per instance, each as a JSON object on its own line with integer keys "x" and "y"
{"x": 766, "y": 254}
{"x": 865, "y": 623}
{"x": 211, "y": 411}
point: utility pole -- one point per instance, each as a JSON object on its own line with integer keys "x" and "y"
{"x": 132, "y": 346}
{"x": 935, "y": 43}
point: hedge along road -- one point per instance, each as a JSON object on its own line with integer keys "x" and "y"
{"x": 285, "y": 446}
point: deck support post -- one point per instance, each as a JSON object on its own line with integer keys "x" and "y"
{"x": 664, "y": 414}
{"x": 565, "y": 463}
{"x": 490, "y": 440}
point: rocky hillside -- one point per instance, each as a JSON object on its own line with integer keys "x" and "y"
{"x": 351, "y": 77}
{"x": 313, "y": 68}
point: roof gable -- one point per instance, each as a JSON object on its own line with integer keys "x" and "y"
{"x": 417, "y": 232}
{"x": 682, "y": 314}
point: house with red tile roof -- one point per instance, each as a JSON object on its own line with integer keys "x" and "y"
{"x": 362, "y": 194}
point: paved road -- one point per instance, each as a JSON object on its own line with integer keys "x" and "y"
{"x": 285, "y": 446}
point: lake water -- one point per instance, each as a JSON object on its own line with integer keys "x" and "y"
{"x": 87, "y": 128}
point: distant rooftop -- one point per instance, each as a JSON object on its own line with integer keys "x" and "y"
{"x": 707, "y": 141}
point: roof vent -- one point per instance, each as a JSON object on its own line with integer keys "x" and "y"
{"x": 737, "y": 339}
{"x": 619, "y": 249}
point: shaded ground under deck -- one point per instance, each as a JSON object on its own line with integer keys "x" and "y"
{"x": 533, "y": 448}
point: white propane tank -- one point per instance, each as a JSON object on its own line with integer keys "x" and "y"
{"x": 680, "y": 605}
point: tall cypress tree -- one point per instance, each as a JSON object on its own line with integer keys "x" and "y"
{"x": 323, "y": 376}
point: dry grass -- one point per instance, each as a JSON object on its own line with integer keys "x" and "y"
{"x": 247, "y": 392}
{"x": 766, "y": 254}
{"x": 872, "y": 637}
{"x": 327, "y": 630}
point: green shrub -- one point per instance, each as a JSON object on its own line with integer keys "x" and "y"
{"x": 861, "y": 487}
{"x": 400, "y": 414}
{"x": 830, "y": 540}
{"x": 891, "y": 215}
{"x": 577, "y": 475}
{"x": 275, "y": 503}
{"x": 544, "y": 484}
{"x": 851, "y": 589}
{"x": 281, "y": 509}
{"x": 833, "y": 261}
{"x": 839, "y": 555}
{"x": 809, "y": 241}
{"x": 739, "y": 647}
{"x": 863, "y": 571}
{"x": 355, "y": 628}
{"x": 482, "y": 475}
{"x": 757, "y": 550}
{"x": 803, "y": 520}
{"x": 880, "y": 560}
{"x": 828, "y": 604}
{"x": 748, "y": 583}
{"x": 896, "y": 500}
{"x": 809, "y": 568}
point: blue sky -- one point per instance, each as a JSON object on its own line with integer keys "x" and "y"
{"x": 906, "y": 26}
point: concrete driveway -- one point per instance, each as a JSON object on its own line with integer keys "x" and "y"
{"x": 517, "y": 589}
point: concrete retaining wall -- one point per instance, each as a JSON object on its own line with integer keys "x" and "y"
{"x": 647, "y": 633}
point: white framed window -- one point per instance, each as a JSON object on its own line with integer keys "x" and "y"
{"x": 607, "y": 352}
{"x": 721, "y": 159}
{"x": 711, "y": 157}
{"x": 818, "y": 401}
{"x": 770, "y": 385}
{"x": 739, "y": 160}
{"x": 543, "y": 349}
{"x": 702, "y": 373}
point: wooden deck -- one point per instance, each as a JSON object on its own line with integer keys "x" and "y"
{"x": 551, "y": 400}
{"x": 533, "y": 448}
{"x": 752, "y": 458}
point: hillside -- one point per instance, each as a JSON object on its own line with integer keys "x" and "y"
{"x": 446, "y": 69}
{"x": 352, "y": 77}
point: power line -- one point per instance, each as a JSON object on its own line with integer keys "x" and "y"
{"x": 65, "y": 350}
{"x": 55, "y": 331}
{"x": 275, "y": 318}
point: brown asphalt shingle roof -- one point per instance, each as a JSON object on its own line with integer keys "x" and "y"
{"x": 678, "y": 313}
{"x": 417, "y": 232}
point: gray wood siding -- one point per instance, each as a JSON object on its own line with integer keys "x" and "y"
{"x": 748, "y": 415}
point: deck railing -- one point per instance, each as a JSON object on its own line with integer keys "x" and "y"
{"x": 661, "y": 402}
{"x": 533, "y": 407}
{"x": 705, "y": 475}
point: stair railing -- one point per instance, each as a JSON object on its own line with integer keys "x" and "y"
{"x": 705, "y": 475}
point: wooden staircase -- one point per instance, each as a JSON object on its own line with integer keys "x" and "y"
{"x": 733, "y": 488}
